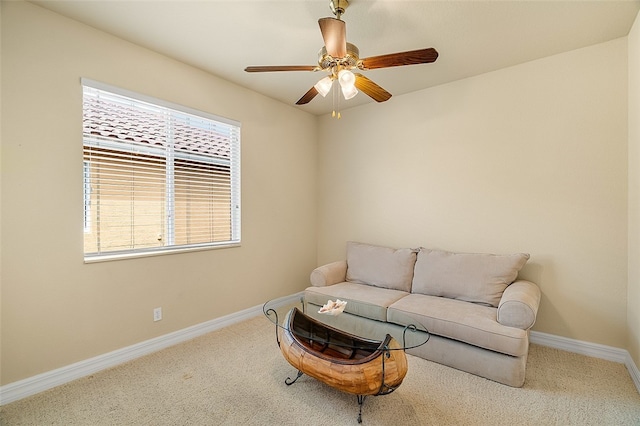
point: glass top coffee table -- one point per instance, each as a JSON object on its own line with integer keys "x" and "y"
{"x": 345, "y": 361}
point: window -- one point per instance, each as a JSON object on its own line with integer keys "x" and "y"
{"x": 157, "y": 177}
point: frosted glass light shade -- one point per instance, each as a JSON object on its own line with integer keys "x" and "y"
{"x": 324, "y": 85}
{"x": 349, "y": 91}
{"x": 347, "y": 83}
{"x": 346, "y": 78}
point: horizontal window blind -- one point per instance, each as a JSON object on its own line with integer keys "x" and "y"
{"x": 156, "y": 178}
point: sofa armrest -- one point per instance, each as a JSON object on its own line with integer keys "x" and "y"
{"x": 332, "y": 273}
{"x": 519, "y": 305}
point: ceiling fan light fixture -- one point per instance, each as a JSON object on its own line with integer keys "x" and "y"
{"x": 347, "y": 82}
{"x": 324, "y": 85}
{"x": 346, "y": 78}
{"x": 338, "y": 57}
{"x": 349, "y": 91}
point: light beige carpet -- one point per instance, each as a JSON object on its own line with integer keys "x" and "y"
{"x": 235, "y": 376}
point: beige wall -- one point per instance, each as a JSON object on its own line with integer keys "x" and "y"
{"x": 56, "y": 310}
{"x": 531, "y": 158}
{"x": 633, "y": 292}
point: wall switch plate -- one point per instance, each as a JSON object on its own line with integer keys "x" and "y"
{"x": 157, "y": 314}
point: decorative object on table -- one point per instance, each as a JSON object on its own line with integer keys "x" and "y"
{"x": 333, "y": 308}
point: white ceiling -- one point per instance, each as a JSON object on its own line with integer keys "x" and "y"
{"x": 472, "y": 37}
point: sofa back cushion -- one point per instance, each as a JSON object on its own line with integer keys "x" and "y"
{"x": 380, "y": 266}
{"x": 477, "y": 278}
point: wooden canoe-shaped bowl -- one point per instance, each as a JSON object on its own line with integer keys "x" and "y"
{"x": 344, "y": 361}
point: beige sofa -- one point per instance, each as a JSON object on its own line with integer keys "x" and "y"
{"x": 477, "y": 311}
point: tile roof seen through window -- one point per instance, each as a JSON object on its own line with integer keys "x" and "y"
{"x": 152, "y": 127}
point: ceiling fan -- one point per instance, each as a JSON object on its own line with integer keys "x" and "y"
{"x": 338, "y": 58}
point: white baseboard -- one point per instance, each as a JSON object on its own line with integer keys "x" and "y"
{"x": 41, "y": 382}
{"x": 595, "y": 350}
{"x": 633, "y": 371}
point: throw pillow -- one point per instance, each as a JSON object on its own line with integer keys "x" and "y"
{"x": 477, "y": 278}
{"x": 380, "y": 266}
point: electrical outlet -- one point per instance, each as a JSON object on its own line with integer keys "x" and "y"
{"x": 157, "y": 314}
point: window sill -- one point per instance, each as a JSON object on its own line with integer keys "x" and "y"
{"x": 164, "y": 252}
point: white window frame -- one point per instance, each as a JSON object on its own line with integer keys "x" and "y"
{"x": 234, "y": 164}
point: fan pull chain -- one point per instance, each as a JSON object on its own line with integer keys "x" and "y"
{"x": 336, "y": 100}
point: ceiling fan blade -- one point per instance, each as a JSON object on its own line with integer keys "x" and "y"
{"x": 367, "y": 86}
{"x": 307, "y": 97}
{"x": 270, "y": 68}
{"x": 334, "y": 34}
{"x": 413, "y": 57}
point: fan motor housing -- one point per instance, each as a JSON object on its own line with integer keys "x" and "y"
{"x": 349, "y": 61}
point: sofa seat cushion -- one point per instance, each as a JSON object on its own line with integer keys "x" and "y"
{"x": 472, "y": 277}
{"x": 380, "y": 266}
{"x": 466, "y": 322}
{"x": 362, "y": 300}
